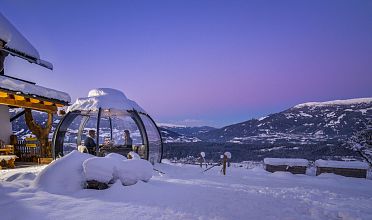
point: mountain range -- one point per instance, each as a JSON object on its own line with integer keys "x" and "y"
{"x": 316, "y": 130}
{"x": 307, "y": 123}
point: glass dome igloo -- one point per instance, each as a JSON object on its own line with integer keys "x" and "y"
{"x": 109, "y": 112}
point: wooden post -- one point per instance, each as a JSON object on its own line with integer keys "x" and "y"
{"x": 41, "y": 133}
{"x": 224, "y": 164}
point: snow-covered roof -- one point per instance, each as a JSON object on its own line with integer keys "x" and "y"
{"x": 342, "y": 164}
{"x": 105, "y": 98}
{"x": 16, "y": 42}
{"x": 21, "y": 87}
{"x": 286, "y": 161}
{"x": 335, "y": 102}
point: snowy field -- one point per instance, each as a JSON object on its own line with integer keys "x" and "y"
{"x": 185, "y": 192}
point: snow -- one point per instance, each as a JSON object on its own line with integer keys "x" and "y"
{"x": 15, "y": 39}
{"x": 133, "y": 171}
{"x": 262, "y": 118}
{"x": 227, "y": 154}
{"x": 7, "y": 157}
{"x": 105, "y": 98}
{"x": 170, "y": 125}
{"x": 64, "y": 175}
{"x": 286, "y": 161}
{"x": 99, "y": 168}
{"x": 335, "y": 102}
{"x": 115, "y": 166}
{"x": 31, "y": 89}
{"x": 185, "y": 192}
{"x": 342, "y": 164}
{"x": 303, "y": 114}
{"x": 116, "y": 156}
{"x": 69, "y": 173}
{"x": 134, "y": 155}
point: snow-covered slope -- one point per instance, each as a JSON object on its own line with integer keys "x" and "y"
{"x": 306, "y": 123}
{"x": 184, "y": 192}
{"x": 182, "y": 134}
{"x": 336, "y": 102}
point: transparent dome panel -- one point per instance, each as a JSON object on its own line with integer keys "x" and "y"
{"x": 116, "y": 141}
{"x": 154, "y": 139}
{"x": 90, "y": 124}
{"x": 70, "y": 138}
{"x": 119, "y": 125}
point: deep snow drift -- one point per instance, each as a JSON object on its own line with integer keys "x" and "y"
{"x": 69, "y": 173}
{"x": 185, "y": 192}
{"x": 105, "y": 98}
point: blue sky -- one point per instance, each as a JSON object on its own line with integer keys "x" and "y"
{"x": 200, "y": 62}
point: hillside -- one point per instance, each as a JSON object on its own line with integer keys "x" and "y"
{"x": 306, "y": 123}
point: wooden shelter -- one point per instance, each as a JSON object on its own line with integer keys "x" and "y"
{"x": 18, "y": 93}
{"x": 295, "y": 166}
{"x": 33, "y": 98}
{"x": 344, "y": 168}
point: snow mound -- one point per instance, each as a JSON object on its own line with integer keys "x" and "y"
{"x": 342, "y": 164}
{"x": 15, "y": 39}
{"x": 133, "y": 171}
{"x": 115, "y": 166}
{"x": 64, "y": 175}
{"x": 99, "y": 168}
{"x": 69, "y": 173}
{"x": 105, "y": 98}
{"x": 286, "y": 161}
{"x": 116, "y": 156}
{"x": 335, "y": 102}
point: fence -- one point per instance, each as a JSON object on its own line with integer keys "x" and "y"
{"x": 27, "y": 154}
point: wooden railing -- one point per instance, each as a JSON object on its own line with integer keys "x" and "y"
{"x": 27, "y": 154}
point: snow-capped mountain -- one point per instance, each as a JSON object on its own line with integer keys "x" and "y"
{"x": 305, "y": 123}
{"x": 182, "y": 134}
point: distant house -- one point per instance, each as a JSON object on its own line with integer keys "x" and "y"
{"x": 293, "y": 165}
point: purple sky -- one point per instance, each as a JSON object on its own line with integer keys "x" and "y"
{"x": 200, "y": 62}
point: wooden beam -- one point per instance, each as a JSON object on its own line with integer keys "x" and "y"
{"x": 48, "y": 103}
{"x": 34, "y": 100}
{"x": 31, "y": 98}
{"x": 3, "y": 94}
{"x": 19, "y": 98}
{"x": 24, "y": 104}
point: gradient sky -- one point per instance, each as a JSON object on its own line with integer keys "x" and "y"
{"x": 200, "y": 62}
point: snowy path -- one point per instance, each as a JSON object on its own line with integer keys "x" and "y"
{"x": 184, "y": 192}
